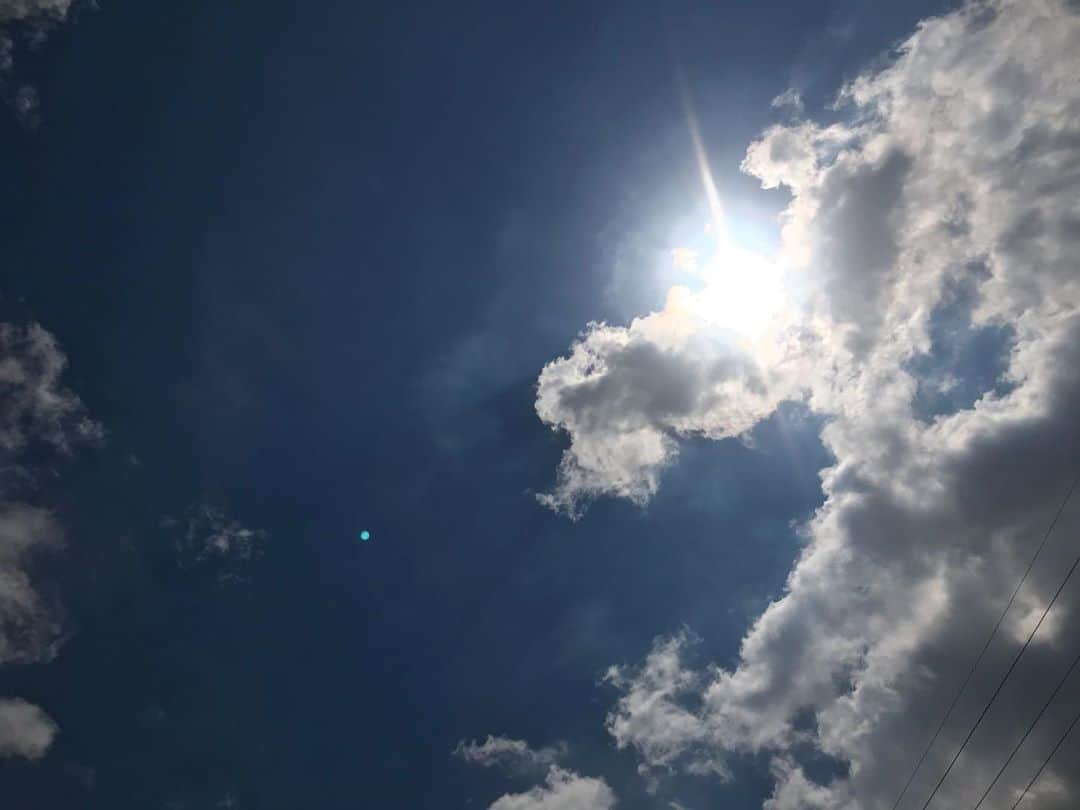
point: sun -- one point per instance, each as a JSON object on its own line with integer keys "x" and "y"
{"x": 738, "y": 290}
{"x": 741, "y": 291}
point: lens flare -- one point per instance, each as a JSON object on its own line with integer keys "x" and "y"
{"x": 683, "y": 258}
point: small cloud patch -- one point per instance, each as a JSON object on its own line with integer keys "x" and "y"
{"x": 206, "y": 539}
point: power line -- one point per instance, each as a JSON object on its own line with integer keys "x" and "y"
{"x": 990, "y": 638}
{"x": 1030, "y": 728}
{"x": 1046, "y": 761}
{"x": 1001, "y": 685}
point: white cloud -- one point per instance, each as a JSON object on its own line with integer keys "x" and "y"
{"x": 25, "y": 730}
{"x": 953, "y": 186}
{"x": 513, "y": 755}
{"x": 625, "y": 394}
{"x": 563, "y": 790}
{"x": 653, "y": 715}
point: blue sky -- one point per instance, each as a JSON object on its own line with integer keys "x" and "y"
{"x": 306, "y": 266}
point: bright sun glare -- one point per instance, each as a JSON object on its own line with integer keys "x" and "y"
{"x": 741, "y": 290}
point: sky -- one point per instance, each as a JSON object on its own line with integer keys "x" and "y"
{"x": 704, "y": 374}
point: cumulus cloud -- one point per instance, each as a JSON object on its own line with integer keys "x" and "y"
{"x": 25, "y": 730}
{"x": 625, "y": 394}
{"x": 949, "y": 192}
{"x": 563, "y": 790}
{"x": 509, "y": 754}
{"x": 206, "y": 537}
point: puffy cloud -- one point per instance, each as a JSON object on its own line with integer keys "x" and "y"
{"x": 25, "y": 730}
{"x": 563, "y": 790}
{"x": 949, "y": 194}
{"x": 513, "y": 755}
{"x": 624, "y": 395}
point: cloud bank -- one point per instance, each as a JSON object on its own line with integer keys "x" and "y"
{"x": 38, "y": 417}
{"x": 945, "y": 210}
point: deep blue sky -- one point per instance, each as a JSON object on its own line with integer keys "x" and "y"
{"x": 306, "y": 261}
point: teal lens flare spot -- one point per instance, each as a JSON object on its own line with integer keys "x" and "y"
{"x": 365, "y": 535}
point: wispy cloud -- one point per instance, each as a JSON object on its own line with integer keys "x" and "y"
{"x": 205, "y": 537}
{"x": 509, "y": 754}
{"x": 790, "y": 100}
{"x": 561, "y": 789}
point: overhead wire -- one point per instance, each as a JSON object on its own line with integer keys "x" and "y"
{"x": 1001, "y": 684}
{"x": 989, "y": 639}
{"x": 1030, "y": 728}
{"x": 1046, "y": 761}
